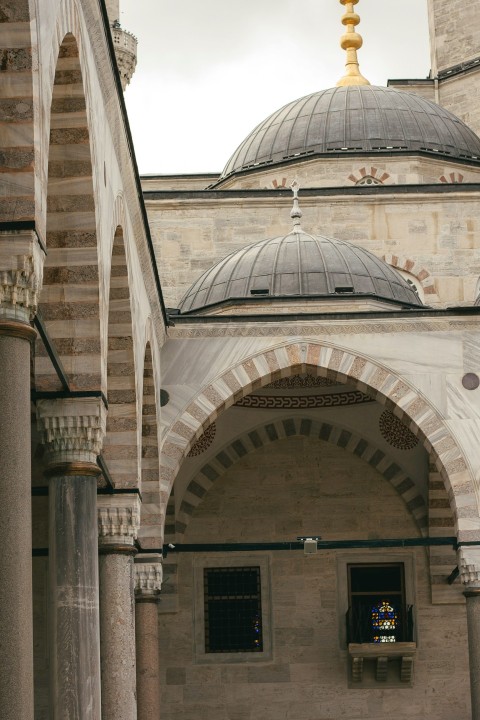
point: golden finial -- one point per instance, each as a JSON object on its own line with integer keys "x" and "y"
{"x": 296, "y": 213}
{"x": 351, "y": 41}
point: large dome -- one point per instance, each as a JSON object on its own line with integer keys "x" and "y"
{"x": 355, "y": 120}
{"x": 298, "y": 265}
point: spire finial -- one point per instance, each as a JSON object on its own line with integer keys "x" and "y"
{"x": 296, "y": 213}
{"x": 351, "y": 41}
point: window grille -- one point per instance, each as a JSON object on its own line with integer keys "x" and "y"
{"x": 233, "y": 612}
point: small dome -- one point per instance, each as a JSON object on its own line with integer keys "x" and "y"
{"x": 298, "y": 265}
{"x": 355, "y": 120}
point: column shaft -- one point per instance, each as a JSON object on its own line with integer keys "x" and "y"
{"x": 16, "y": 633}
{"x": 148, "y": 662}
{"x": 117, "y": 636}
{"x": 473, "y": 627}
{"x": 74, "y": 608}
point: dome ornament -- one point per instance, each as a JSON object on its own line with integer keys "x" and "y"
{"x": 296, "y": 213}
{"x": 351, "y": 41}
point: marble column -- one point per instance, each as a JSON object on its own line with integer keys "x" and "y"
{"x": 73, "y": 432}
{"x": 20, "y": 273}
{"x": 148, "y": 583}
{"x": 469, "y": 565}
{"x": 118, "y": 524}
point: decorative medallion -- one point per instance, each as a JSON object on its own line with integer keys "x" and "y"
{"x": 164, "y": 397}
{"x": 470, "y": 381}
{"x": 300, "y": 381}
{"x": 204, "y": 441}
{"x": 301, "y": 402}
{"x": 395, "y": 432}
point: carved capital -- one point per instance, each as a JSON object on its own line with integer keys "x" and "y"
{"x": 118, "y": 519}
{"x": 148, "y": 576}
{"x": 469, "y": 565}
{"x": 21, "y": 274}
{"x": 72, "y": 428}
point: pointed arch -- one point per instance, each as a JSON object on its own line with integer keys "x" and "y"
{"x": 121, "y": 443}
{"x": 372, "y": 378}
{"x": 263, "y": 435}
{"x": 70, "y": 299}
{"x": 150, "y": 534}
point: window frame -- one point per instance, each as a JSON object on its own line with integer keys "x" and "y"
{"x": 201, "y": 564}
{"x": 407, "y": 559}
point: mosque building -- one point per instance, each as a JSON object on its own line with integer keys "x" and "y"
{"x": 240, "y": 411}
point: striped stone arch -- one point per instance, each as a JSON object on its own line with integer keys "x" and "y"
{"x": 339, "y": 365}
{"x": 251, "y": 441}
{"x": 150, "y": 534}
{"x": 70, "y": 299}
{"x": 120, "y": 447}
{"x": 420, "y": 273}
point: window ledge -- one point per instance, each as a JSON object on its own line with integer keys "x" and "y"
{"x": 382, "y": 654}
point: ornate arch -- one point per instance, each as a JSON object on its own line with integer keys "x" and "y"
{"x": 263, "y": 435}
{"x": 340, "y": 365}
{"x": 423, "y": 276}
{"x": 70, "y": 299}
{"x": 121, "y": 439}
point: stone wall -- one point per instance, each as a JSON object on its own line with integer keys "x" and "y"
{"x": 439, "y": 234}
{"x": 454, "y": 31}
{"x": 298, "y": 487}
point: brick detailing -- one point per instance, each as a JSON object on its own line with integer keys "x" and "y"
{"x": 423, "y": 276}
{"x": 443, "y": 560}
{"x": 152, "y": 518}
{"x": 264, "y": 435}
{"x": 453, "y": 178}
{"x": 70, "y": 296}
{"x": 374, "y": 176}
{"x": 120, "y": 447}
{"x": 379, "y": 382}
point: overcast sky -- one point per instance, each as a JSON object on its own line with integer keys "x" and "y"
{"x": 209, "y": 71}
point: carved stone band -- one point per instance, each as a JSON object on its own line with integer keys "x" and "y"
{"x": 80, "y": 469}
{"x": 13, "y": 328}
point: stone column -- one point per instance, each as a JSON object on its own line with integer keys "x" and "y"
{"x": 148, "y": 583}
{"x": 73, "y": 432}
{"x": 469, "y": 564}
{"x": 118, "y": 524}
{"x": 20, "y": 273}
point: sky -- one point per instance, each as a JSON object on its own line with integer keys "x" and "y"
{"x": 209, "y": 71}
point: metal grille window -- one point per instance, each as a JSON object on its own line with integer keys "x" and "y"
{"x": 233, "y": 610}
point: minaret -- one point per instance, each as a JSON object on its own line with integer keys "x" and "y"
{"x": 124, "y": 42}
{"x": 351, "y": 41}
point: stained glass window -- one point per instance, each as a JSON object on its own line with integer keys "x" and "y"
{"x": 384, "y": 620}
{"x": 377, "y": 610}
{"x": 233, "y": 612}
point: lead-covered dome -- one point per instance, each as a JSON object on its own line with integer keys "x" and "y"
{"x": 298, "y": 265}
{"x": 355, "y": 120}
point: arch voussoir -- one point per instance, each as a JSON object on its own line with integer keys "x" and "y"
{"x": 339, "y": 365}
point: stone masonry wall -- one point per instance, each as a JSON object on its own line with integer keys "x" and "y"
{"x": 440, "y": 234}
{"x": 295, "y": 487}
{"x": 455, "y": 25}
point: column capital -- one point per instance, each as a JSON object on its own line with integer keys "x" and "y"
{"x": 469, "y": 566}
{"x": 73, "y": 430}
{"x": 118, "y": 522}
{"x": 148, "y": 577}
{"x": 21, "y": 275}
